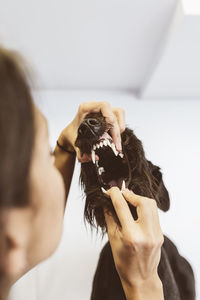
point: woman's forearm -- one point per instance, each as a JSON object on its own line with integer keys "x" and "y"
{"x": 65, "y": 163}
{"x": 148, "y": 290}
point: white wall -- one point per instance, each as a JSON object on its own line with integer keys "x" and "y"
{"x": 178, "y": 72}
{"x": 192, "y": 7}
{"x": 170, "y": 134}
{"x": 81, "y": 44}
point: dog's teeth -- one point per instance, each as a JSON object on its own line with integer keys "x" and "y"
{"x": 108, "y": 142}
{"x": 94, "y": 147}
{"x": 105, "y": 143}
{"x": 123, "y": 185}
{"x": 114, "y": 149}
{"x": 93, "y": 156}
{"x": 101, "y": 170}
{"x": 101, "y": 144}
{"x": 97, "y": 145}
{"x": 121, "y": 155}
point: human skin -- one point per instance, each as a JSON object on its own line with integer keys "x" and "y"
{"x": 136, "y": 245}
{"x": 34, "y": 231}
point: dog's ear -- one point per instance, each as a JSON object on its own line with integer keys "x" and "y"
{"x": 162, "y": 194}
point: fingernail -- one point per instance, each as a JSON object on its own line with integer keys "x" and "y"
{"x": 103, "y": 190}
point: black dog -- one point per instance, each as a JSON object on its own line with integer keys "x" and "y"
{"x": 109, "y": 168}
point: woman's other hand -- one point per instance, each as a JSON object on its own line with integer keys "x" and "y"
{"x": 136, "y": 245}
{"x": 114, "y": 116}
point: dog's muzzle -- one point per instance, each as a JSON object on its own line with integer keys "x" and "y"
{"x": 89, "y": 128}
{"x": 111, "y": 165}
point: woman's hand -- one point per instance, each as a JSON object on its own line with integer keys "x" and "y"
{"x": 114, "y": 116}
{"x": 136, "y": 245}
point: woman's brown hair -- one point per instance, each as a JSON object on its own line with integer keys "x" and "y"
{"x": 16, "y": 139}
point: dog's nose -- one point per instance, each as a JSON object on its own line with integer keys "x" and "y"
{"x": 89, "y": 128}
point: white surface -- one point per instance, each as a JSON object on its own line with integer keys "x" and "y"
{"x": 169, "y": 131}
{"x": 178, "y": 73}
{"x": 95, "y": 44}
{"x": 192, "y": 7}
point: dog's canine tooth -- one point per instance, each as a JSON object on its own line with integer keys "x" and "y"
{"x": 97, "y": 145}
{"x": 93, "y": 156}
{"x": 123, "y": 185}
{"x": 114, "y": 149}
{"x": 101, "y": 144}
{"x": 105, "y": 143}
{"x": 109, "y": 144}
{"x": 94, "y": 147}
{"x": 121, "y": 155}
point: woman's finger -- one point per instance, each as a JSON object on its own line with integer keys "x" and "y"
{"x": 146, "y": 207}
{"x": 112, "y": 227}
{"x": 116, "y": 136}
{"x": 121, "y": 208}
{"x": 120, "y": 115}
{"x": 111, "y": 118}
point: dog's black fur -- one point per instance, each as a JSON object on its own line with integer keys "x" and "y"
{"x": 144, "y": 179}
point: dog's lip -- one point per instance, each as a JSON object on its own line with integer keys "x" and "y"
{"x": 105, "y": 135}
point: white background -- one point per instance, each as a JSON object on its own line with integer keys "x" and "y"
{"x": 192, "y": 6}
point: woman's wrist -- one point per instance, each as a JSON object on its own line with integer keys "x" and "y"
{"x": 151, "y": 289}
{"x": 66, "y": 140}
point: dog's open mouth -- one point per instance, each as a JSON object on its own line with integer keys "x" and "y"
{"x": 111, "y": 166}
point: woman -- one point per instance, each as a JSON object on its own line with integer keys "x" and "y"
{"x": 34, "y": 185}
